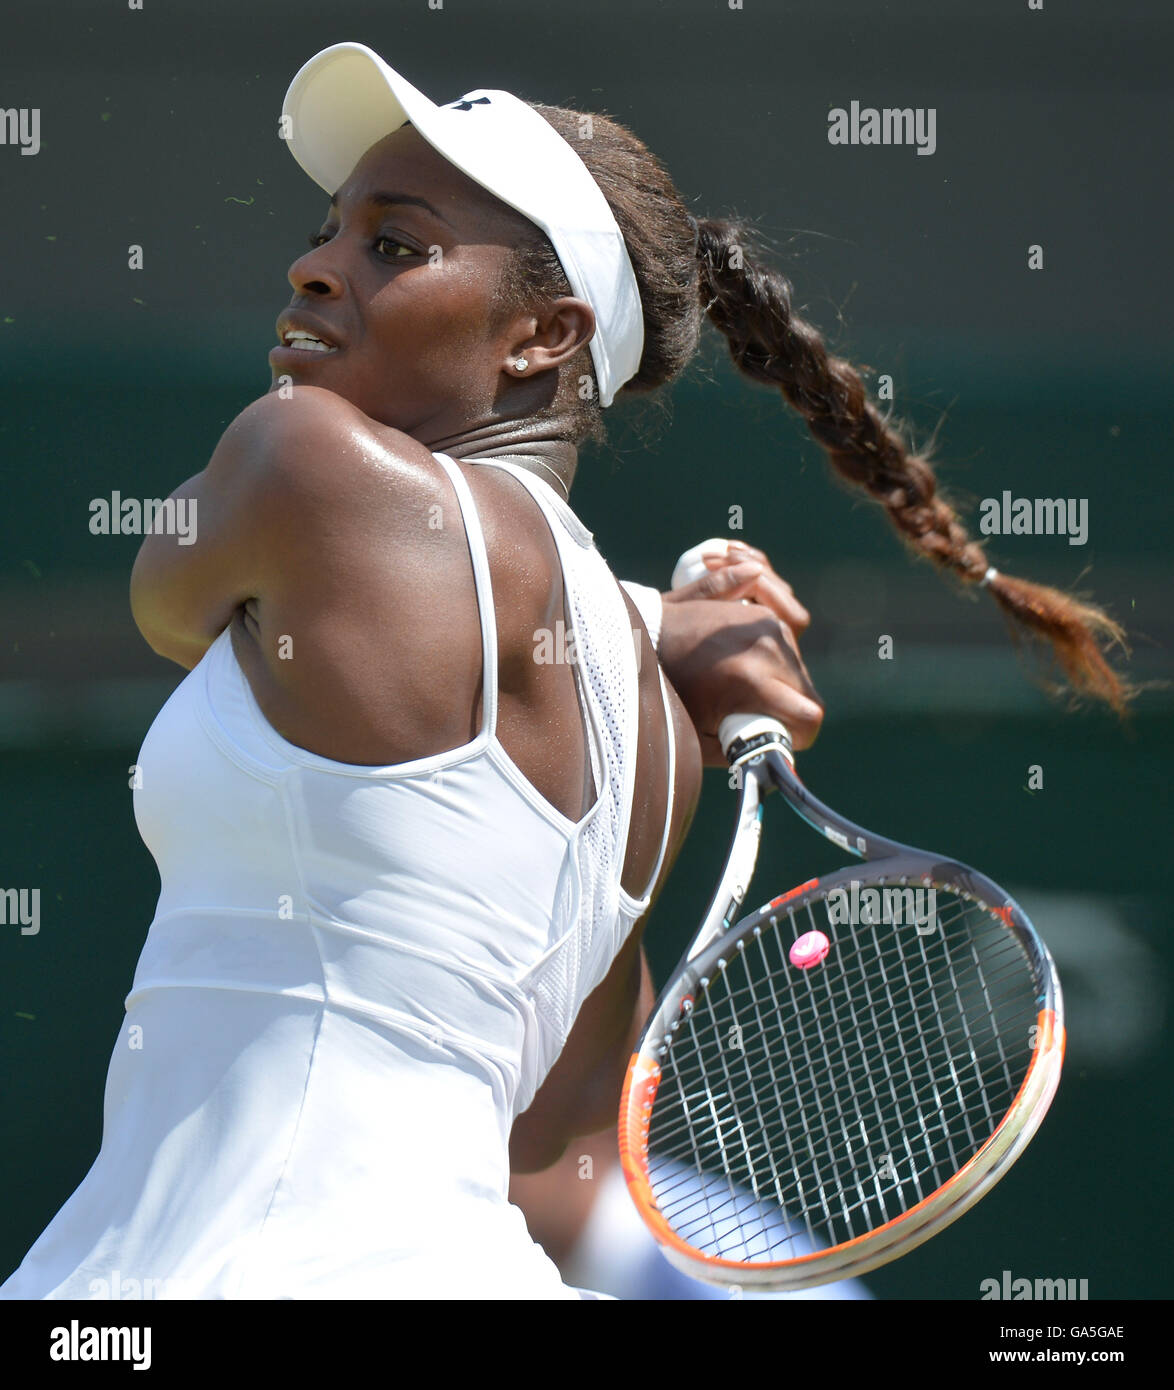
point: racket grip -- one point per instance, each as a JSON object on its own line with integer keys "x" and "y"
{"x": 741, "y": 728}
{"x": 734, "y": 728}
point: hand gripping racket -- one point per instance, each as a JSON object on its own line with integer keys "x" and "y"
{"x": 829, "y": 1081}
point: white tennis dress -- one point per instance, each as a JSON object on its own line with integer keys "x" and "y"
{"x": 355, "y": 979}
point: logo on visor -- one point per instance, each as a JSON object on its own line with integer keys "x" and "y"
{"x": 468, "y": 105}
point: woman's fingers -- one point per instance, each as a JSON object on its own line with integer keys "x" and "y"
{"x": 732, "y": 577}
{"x": 727, "y": 657}
{"x": 717, "y": 583}
{"x": 801, "y": 714}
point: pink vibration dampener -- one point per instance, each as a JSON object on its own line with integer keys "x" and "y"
{"x": 809, "y": 950}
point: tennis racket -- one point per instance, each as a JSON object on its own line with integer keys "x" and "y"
{"x": 827, "y": 1082}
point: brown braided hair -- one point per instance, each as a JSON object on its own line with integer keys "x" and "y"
{"x": 687, "y": 269}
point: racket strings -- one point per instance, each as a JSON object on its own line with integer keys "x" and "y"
{"x": 1011, "y": 955}
{"x": 872, "y": 1053}
{"x": 886, "y": 1033}
{"x": 826, "y": 1102}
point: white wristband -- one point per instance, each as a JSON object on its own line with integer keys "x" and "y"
{"x": 649, "y": 605}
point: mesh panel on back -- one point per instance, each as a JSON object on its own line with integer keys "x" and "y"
{"x": 590, "y": 924}
{"x": 603, "y": 644}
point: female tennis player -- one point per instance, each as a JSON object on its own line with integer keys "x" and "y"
{"x": 412, "y": 801}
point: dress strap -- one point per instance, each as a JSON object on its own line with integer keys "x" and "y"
{"x": 547, "y": 493}
{"x": 480, "y": 557}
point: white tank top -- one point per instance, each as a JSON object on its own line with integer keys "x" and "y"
{"x": 355, "y": 979}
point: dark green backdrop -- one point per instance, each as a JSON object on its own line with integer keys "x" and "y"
{"x": 159, "y": 128}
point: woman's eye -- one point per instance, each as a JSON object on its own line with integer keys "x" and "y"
{"x": 317, "y": 239}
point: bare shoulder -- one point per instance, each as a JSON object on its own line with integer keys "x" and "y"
{"x": 311, "y": 443}
{"x": 302, "y": 493}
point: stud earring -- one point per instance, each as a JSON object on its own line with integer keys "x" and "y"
{"x": 520, "y": 364}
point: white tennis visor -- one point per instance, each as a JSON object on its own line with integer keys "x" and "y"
{"x": 346, "y": 99}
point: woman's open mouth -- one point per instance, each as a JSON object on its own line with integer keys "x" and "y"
{"x": 296, "y": 342}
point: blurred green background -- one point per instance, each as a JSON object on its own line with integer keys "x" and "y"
{"x": 159, "y": 128}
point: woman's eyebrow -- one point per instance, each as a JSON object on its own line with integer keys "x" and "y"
{"x": 383, "y": 199}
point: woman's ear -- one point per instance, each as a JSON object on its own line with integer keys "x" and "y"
{"x": 558, "y": 332}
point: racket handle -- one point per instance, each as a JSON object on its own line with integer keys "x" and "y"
{"x": 734, "y": 728}
{"x": 741, "y": 728}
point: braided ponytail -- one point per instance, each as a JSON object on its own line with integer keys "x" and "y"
{"x": 752, "y": 307}
{"x": 686, "y": 269}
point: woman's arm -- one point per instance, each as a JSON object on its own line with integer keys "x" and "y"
{"x": 183, "y": 596}
{"x": 278, "y": 465}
